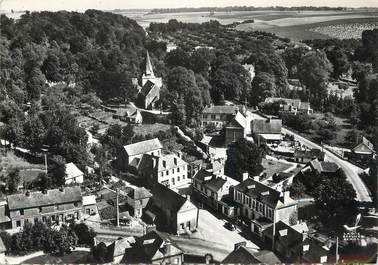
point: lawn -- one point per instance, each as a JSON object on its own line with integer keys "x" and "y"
{"x": 74, "y": 257}
{"x": 145, "y": 129}
{"x": 271, "y": 167}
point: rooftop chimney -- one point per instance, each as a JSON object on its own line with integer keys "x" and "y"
{"x": 61, "y": 188}
{"x": 245, "y": 176}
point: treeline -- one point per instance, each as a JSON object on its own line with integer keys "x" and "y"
{"x": 245, "y": 8}
{"x": 173, "y": 25}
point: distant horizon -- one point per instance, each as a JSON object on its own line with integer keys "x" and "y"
{"x": 82, "y": 5}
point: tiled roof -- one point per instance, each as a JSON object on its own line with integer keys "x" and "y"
{"x": 267, "y": 257}
{"x": 224, "y": 109}
{"x": 72, "y": 171}
{"x": 37, "y": 199}
{"x": 215, "y": 183}
{"x": 143, "y": 147}
{"x": 326, "y": 167}
{"x": 314, "y": 252}
{"x": 239, "y": 120}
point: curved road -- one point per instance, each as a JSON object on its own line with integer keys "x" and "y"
{"x": 350, "y": 170}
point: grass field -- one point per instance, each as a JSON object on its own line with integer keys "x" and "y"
{"x": 272, "y": 167}
{"x": 151, "y": 128}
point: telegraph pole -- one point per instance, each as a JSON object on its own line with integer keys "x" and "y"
{"x": 46, "y": 163}
{"x": 117, "y": 206}
{"x": 337, "y": 250}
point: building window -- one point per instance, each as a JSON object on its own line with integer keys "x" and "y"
{"x": 18, "y": 223}
{"x": 173, "y": 181}
{"x": 162, "y": 174}
{"x": 212, "y": 116}
{"x": 166, "y": 172}
{"x": 182, "y": 226}
{"x": 44, "y": 219}
{"x": 178, "y": 178}
{"x": 183, "y": 176}
{"x": 178, "y": 169}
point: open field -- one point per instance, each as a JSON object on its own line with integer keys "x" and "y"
{"x": 297, "y": 25}
{"x": 271, "y": 167}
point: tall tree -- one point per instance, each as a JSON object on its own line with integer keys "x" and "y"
{"x": 243, "y": 156}
{"x": 314, "y": 72}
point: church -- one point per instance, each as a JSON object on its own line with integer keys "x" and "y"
{"x": 148, "y": 87}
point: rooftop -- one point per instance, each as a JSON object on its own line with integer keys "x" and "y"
{"x": 143, "y": 147}
{"x": 72, "y": 171}
{"x": 37, "y": 199}
{"x": 224, "y": 109}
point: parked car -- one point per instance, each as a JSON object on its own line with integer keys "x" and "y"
{"x": 230, "y": 226}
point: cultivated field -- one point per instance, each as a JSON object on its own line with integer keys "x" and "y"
{"x": 297, "y": 25}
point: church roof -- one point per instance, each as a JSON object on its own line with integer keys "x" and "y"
{"x": 148, "y": 70}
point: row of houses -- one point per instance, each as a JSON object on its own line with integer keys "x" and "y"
{"x": 241, "y": 123}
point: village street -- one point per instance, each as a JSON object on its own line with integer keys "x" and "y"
{"x": 350, "y": 170}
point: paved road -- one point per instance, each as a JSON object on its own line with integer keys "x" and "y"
{"x": 350, "y": 170}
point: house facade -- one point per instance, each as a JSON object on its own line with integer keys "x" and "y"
{"x": 263, "y": 205}
{"x": 175, "y": 213}
{"x": 219, "y": 116}
{"x": 213, "y": 190}
{"x": 169, "y": 170}
{"x": 57, "y": 205}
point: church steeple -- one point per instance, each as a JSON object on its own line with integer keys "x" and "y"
{"x": 149, "y": 72}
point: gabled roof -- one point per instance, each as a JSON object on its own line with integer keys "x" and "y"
{"x": 171, "y": 200}
{"x": 37, "y": 199}
{"x": 215, "y": 183}
{"x": 262, "y": 193}
{"x": 72, "y": 171}
{"x": 364, "y": 147}
{"x": 238, "y": 121}
{"x": 118, "y": 247}
{"x": 314, "y": 252}
{"x": 151, "y": 247}
{"x": 324, "y": 167}
{"x": 143, "y": 147}
{"x": 221, "y": 109}
{"x": 247, "y": 255}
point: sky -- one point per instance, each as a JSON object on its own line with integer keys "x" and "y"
{"x": 53, "y": 5}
